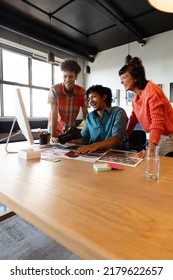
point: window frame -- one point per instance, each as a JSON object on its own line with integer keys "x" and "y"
{"x": 30, "y": 86}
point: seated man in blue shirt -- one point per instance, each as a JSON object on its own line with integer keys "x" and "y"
{"x": 105, "y": 126}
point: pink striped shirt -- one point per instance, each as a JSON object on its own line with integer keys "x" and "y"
{"x": 68, "y": 105}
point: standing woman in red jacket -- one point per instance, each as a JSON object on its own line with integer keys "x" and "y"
{"x": 151, "y": 108}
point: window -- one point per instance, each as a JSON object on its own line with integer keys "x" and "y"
{"x": 40, "y": 106}
{"x": 9, "y": 100}
{"x": 41, "y": 73}
{"x": 33, "y": 76}
{"x": 58, "y": 76}
{"x": 15, "y": 67}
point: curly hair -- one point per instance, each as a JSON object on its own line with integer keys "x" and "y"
{"x": 70, "y": 65}
{"x": 101, "y": 91}
{"x": 136, "y": 70}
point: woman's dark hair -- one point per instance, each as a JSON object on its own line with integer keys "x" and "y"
{"x": 136, "y": 70}
{"x": 101, "y": 91}
{"x": 70, "y": 65}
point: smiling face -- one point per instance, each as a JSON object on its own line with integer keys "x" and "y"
{"x": 127, "y": 81}
{"x": 96, "y": 101}
{"x": 69, "y": 79}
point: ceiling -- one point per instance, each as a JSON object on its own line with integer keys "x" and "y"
{"x": 84, "y": 27}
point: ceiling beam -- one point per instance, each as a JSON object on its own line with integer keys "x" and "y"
{"x": 33, "y": 29}
{"x": 113, "y": 13}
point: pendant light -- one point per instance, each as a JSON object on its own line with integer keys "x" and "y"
{"x": 128, "y": 57}
{"x": 50, "y": 56}
{"x": 162, "y": 5}
{"x": 87, "y": 69}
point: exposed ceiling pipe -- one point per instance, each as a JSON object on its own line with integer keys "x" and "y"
{"x": 116, "y": 16}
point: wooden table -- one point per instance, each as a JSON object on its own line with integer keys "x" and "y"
{"x": 107, "y": 215}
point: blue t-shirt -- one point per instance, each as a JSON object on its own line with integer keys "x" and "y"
{"x": 113, "y": 123}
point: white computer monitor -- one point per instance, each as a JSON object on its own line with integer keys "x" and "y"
{"x": 22, "y": 119}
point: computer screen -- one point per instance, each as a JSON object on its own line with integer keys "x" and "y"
{"x": 22, "y": 118}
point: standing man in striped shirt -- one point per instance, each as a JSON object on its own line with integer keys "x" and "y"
{"x": 66, "y": 99}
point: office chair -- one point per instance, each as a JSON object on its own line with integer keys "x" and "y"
{"x": 170, "y": 154}
{"x": 137, "y": 140}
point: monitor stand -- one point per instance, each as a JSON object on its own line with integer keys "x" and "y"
{"x": 29, "y": 153}
{"x": 10, "y": 136}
